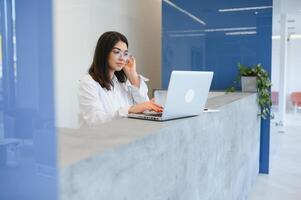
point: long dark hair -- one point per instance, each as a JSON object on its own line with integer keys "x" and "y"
{"x": 99, "y": 69}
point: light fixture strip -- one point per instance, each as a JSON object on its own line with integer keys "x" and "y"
{"x": 230, "y": 29}
{"x": 241, "y": 33}
{"x": 214, "y": 30}
{"x": 187, "y": 35}
{"x": 185, "y": 12}
{"x": 244, "y": 9}
{"x": 187, "y": 31}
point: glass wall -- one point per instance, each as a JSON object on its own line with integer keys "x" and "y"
{"x": 286, "y": 88}
{"x": 216, "y": 35}
{"x": 27, "y": 141}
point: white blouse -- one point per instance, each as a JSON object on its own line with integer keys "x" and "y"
{"x": 99, "y": 105}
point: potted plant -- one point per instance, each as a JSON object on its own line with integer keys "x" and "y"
{"x": 256, "y": 78}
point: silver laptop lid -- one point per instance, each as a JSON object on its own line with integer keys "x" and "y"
{"x": 187, "y": 93}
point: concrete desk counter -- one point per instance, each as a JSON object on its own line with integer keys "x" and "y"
{"x": 210, "y": 156}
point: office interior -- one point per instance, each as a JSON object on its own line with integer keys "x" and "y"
{"x": 47, "y": 46}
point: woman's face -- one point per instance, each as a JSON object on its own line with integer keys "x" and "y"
{"x": 118, "y": 56}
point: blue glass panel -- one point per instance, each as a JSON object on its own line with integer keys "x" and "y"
{"x": 215, "y": 35}
{"x": 28, "y": 164}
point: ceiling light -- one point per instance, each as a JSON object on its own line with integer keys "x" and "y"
{"x": 187, "y": 31}
{"x": 187, "y": 35}
{"x": 244, "y": 9}
{"x": 230, "y": 29}
{"x": 213, "y": 30}
{"x": 185, "y": 12}
{"x": 241, "y": 33}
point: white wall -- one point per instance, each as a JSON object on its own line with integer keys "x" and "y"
{"x": 77, "y": 27}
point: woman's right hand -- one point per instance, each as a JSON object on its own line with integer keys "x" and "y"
{"x": 148, "y": 105}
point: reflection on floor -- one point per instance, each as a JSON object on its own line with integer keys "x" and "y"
{"x": 284, "y": 180}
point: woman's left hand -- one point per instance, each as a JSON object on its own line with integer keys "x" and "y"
{"x": 130, "y": 66}
{"x": 130, "y": 71}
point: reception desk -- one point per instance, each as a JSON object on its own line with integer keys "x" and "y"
{"x": 211, "y": 156}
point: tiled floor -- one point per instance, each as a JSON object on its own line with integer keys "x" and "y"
{"x": 284, "y": 180}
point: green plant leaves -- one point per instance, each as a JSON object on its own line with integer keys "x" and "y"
{"x": 230, "y": 89}
{"x": 263, "y": 86}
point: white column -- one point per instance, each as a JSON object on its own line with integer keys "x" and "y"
{"x": 283, "y": 69}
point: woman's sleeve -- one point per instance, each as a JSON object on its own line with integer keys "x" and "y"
{"x": 139, "y": 94}
{"x": 92, "y": 110}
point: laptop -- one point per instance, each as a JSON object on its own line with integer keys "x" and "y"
{"x": 186, "y": 96}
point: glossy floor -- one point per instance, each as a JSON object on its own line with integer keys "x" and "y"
{"x": 284, "y": 179}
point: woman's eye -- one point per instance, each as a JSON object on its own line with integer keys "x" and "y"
{"x": 116, "y": 52}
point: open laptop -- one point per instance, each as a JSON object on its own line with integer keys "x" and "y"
{"x": 186, "y": 96}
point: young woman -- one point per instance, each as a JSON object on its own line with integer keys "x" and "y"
{"x": 112, "y": 88}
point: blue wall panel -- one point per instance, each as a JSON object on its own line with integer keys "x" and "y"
{"x": 28, "y": 160}
{"x": 226, "y": 38}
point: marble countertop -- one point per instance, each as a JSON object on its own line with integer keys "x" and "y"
{"x": 78, "y": 144}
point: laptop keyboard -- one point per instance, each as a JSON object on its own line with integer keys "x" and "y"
{"x": 153, "y": 114}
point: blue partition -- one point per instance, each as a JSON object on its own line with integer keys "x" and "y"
{"x": 215, "y": 35}
{"x": 28, "y": 155}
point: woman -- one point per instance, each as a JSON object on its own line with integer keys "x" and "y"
{"x": 112, "y": 88}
